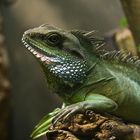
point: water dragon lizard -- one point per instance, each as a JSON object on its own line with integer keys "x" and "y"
{"x": 84, "y": 75}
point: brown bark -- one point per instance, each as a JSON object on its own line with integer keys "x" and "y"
{"x": 93, "y": 126}
{"x": 132, "y": 11}
{"x": 125, "y": 41}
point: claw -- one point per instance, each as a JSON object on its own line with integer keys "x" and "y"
{"x": 70, "y": 113}
{"x": 65, "y": 114}
{"x": 56, "y": 119}
{"x": 60, "y": 116}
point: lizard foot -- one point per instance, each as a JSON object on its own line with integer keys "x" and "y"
{"x": 66, "y": 113}
{"x": 99, "y": 104}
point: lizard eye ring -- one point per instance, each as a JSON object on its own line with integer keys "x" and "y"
{"x": 54, "y": 39}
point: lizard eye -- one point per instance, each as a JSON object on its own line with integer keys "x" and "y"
{"x": 54, "y": 39}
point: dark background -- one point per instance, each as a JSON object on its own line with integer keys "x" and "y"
{"x": 30, "y": 99}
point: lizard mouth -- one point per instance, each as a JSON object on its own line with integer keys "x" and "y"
{"x": 38, "y": 53}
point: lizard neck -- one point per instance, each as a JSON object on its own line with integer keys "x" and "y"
{"x": 58, "y": 86}
{"x": 63, "y": 88}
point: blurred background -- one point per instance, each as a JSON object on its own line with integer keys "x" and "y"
{"x": 29, "y": 97}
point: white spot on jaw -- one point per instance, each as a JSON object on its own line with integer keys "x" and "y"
{"x": 34, "y": 52}
{"x": 29, "y": 48}
{"x": 44, "y": 58}
{"x": 38, "y": 55}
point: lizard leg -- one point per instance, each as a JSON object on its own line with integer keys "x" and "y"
{"x": 93, "y": 102}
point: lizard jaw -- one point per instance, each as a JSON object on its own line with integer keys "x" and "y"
{"x": 41, "y": 57}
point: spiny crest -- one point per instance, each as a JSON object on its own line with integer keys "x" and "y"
{"x": 119, "y": 57}
{"x": 114, "y": 56}
{"x": 90, "y": 37}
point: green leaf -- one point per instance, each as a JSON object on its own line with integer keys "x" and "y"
{"x": 138, "y": 47}
{"x": 123, "y": 22}
{"x": 42, "y": 127}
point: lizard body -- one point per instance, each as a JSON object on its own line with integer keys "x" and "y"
{"x": 85, "y": 79}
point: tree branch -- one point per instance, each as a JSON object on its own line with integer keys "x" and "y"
{"x": 132, "y": 11}
{"x": 93, "y": 126}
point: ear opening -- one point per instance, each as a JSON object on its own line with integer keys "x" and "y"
{"x": 77, "y": 54}
{"x": 95, "y": 41}
{"x": 74, "y": 52}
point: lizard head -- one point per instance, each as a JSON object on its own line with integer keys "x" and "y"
{"x": 64, "y": 54}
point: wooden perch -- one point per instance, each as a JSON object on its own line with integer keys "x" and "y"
{"x": 93, "y": 126}
{"x": 125, "y": 41}
{"x": 132, "y": 12}
{"x": 121, "y": 39}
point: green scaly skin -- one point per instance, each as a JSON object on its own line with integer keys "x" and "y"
{"x": 82, "y": 78}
